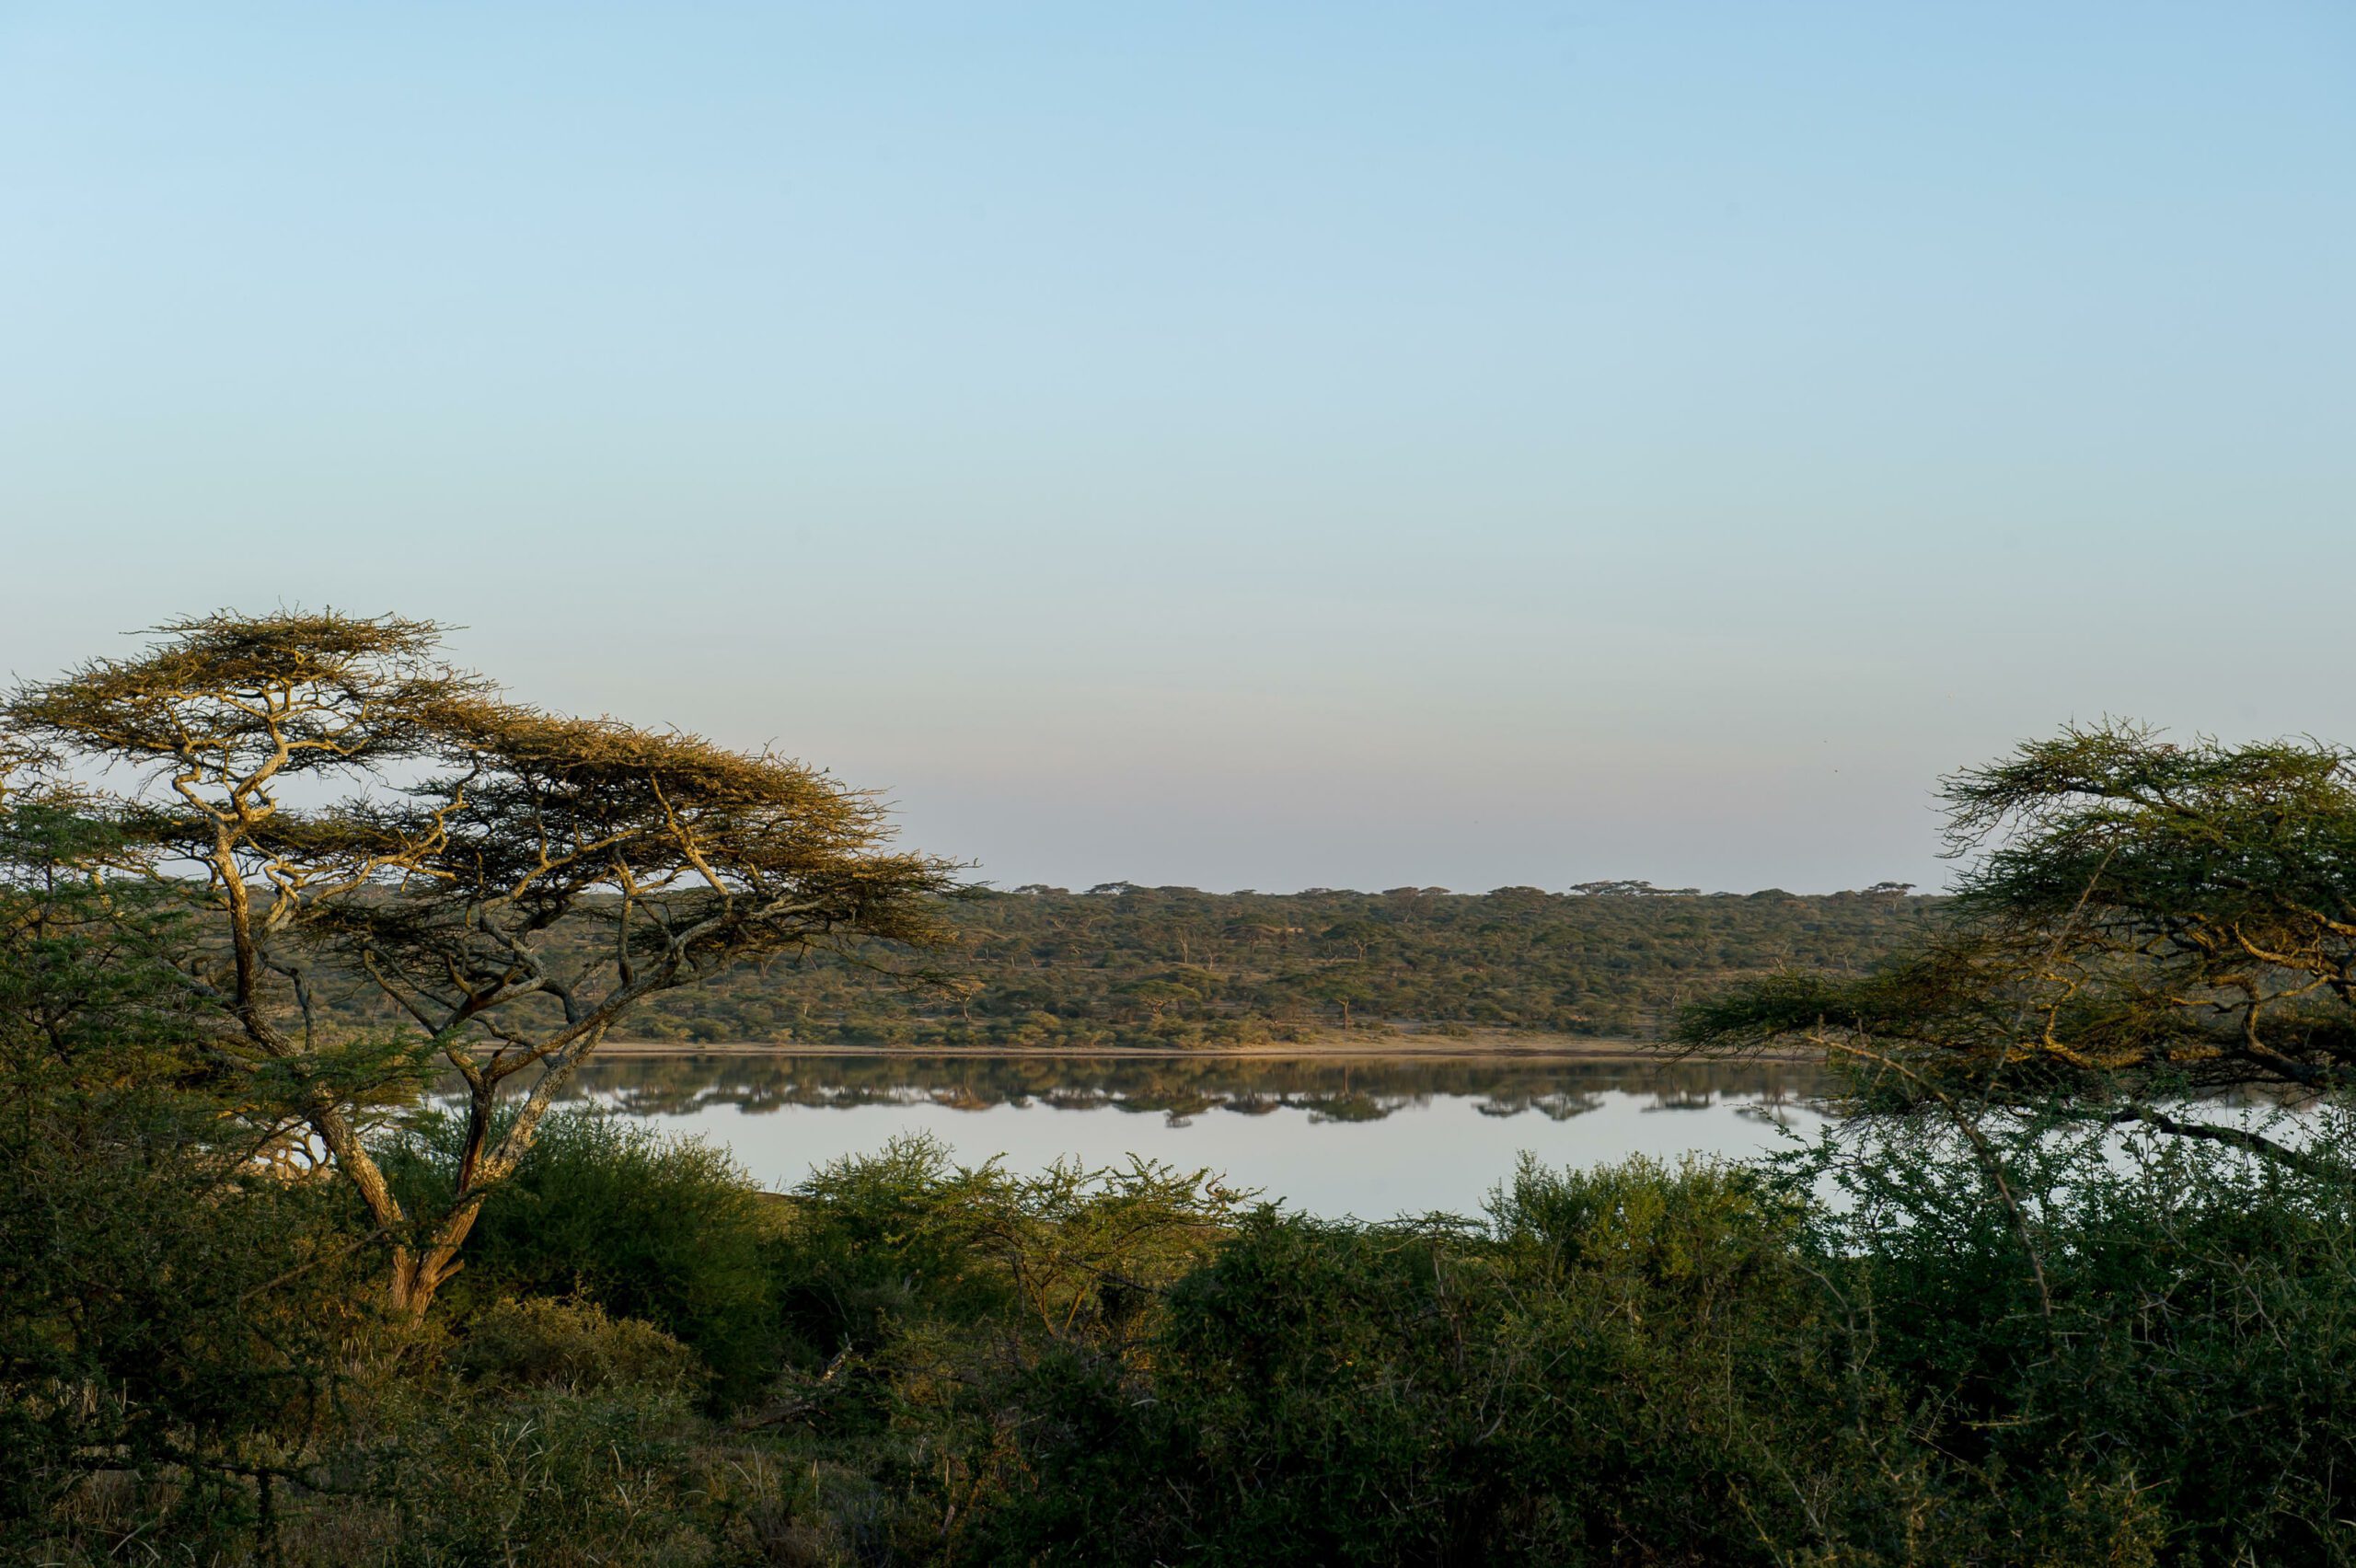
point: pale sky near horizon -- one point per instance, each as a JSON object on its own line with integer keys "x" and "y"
{"x": 1235, "y": 446}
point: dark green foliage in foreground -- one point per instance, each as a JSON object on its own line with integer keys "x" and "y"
{"x": 163, "y": 1298}
{"x": 1695, "y": 1365}
{"x": 603, "y": 1211}
{"x": 875, "y": 1244}
{"x": 2180, "y": 1343}
{"x": 1607, "y": 1365}
{"x": 1699, "y": 1366}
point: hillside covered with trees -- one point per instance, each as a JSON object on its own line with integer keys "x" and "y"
{"x": 1127, "y": 965}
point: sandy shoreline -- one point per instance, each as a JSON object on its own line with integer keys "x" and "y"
{"x": 1483, "y": 1045}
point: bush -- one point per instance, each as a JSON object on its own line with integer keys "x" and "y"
{"x": 1625, "y": 1364}
{"x": 1710, "y": 1365}
{"x": 871, "y": 1245}
{"x": 569, "y": 1344}
{"x": 669, "y": 1231}
{"x": 169, "y": 1303}
{"x": 2189, "y": 1346}
{"x": 546, "y": 1475}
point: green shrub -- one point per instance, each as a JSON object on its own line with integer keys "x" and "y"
{"x": 669, "y": 1231}
{"x": 538, "y": 1343}
{"x": 877, "y": 1242}
{"x": 2188, "y": 1345}
{"x": 169, "y": 1305}
{"x": 548, "y": 1475}
{"x": 1627, "y": 1365}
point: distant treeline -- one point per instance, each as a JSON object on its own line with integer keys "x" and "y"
{"x": 1121, "y": 964}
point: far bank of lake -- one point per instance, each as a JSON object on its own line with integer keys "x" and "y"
{"x": 1386, "y": 1046}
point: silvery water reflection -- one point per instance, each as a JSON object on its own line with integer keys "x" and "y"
{"x": 1367, "y": 1136}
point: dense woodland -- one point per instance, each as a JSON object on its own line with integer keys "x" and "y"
{"x": 1129, "y": 965}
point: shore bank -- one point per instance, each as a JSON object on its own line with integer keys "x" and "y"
{"x": 1489, "y": 1045}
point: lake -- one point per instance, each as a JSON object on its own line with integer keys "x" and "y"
{"x": 1369, "y": 1137}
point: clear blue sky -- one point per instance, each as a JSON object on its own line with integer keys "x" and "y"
{"x": 1237, "y": 445}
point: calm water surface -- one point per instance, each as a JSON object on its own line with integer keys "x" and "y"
{"x": 1361, "y": 1137}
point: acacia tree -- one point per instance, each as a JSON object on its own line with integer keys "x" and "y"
{"x": 512, "y": 881}
{"x": 2146, "y": 924}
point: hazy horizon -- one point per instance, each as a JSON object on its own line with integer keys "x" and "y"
{"x": 1457, "y": 447}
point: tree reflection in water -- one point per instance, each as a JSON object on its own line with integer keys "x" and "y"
{"x": 1180, "y": 1089}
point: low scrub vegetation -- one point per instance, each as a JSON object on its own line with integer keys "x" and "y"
{"x": 1860, "y": 1353}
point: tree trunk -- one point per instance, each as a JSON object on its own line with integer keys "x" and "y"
{"x": 419, "y": 1275}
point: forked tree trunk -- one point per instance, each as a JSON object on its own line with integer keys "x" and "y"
{"x": 419, "y": 1273}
